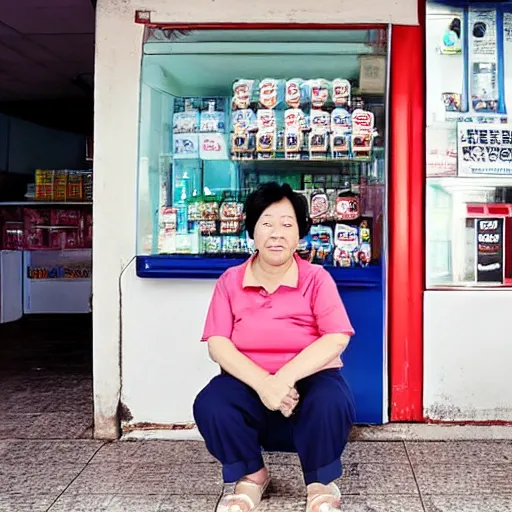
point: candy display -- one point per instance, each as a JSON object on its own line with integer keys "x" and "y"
{"x": 63, "y": 185}
{"x": 298, "y": 119}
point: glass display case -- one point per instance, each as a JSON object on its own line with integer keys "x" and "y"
{"x": 222, "y": 111}
{"x": 469, "y": 145}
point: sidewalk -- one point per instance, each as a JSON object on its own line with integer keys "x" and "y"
{"x": 49, "y": 463}
{"x": 90, "y": 476}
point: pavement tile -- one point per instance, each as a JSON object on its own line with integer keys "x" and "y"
{"x": 11, "y": 502}
{"x": 460, "y": 452}
{"x": 153, "y": 452}
{"x": 196, "y": 479}
{"x": 378, "y": 478}
{"x": 34, "y": 479}
{"x": 58, "y": 425}
{"x": 467, "y": 503}
{"x": 471, "y": 479}
{"x": 48, "y": 452}
{"x": 366, "y": 452}
{"x": 384, "y": 503}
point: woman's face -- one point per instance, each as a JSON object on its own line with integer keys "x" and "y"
{"x": 276, "y": 234}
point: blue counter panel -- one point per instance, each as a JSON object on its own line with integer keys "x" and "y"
{"x": 362, "y": 294}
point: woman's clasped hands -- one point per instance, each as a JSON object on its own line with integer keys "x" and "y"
{"x": 276, "y": 395}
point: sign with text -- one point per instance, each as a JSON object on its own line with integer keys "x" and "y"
{"x": 484, "y": 149}
{"x": 489, "y": 250}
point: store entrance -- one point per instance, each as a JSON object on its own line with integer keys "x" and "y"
{"x": 45, "y": 290}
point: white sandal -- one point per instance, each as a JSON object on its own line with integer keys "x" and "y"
{"x": 244, "y": 491}
{"x": 326, "y": 502}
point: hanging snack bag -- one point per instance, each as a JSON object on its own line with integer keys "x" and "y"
{"x": 318, "y": 137}
{"x": 231, "y": 217}
{"x": 346, "y": 245}
{"x": 296, "y": 93}
{"x": 321, "y": 244}
{"x": 270, "y": 93}
{"x": 293, "y": 135}
{"x": 363, "y": 127}
{"x": 319, "y": 91}
{"x": 209, "y": 210}
{"x": 347, "y": 207}
{"x": 364, "y": 256}
{"x": 207, "y": 227}
{"x": 266, "y": 139}
{"x": 242, "y": 140}
{"x": 243, "y": 91}
{"x": 341, "y": 91}
{"x": 341, "y": 126}
{"x": 319, "y": 208}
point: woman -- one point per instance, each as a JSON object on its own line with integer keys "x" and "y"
{"x": 277, "y": 327}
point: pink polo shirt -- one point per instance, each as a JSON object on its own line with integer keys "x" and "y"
{"x": 271, "y": 329}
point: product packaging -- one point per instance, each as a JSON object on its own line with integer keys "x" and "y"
{"x": 341, "y": 91}
{"x": 363, "y": 127}
{"x": 341, "y": 126}
{"x": 321, "y": 244}
{"x": 318, "y": 137}
{"x": 266, "y": 138}
{"x": 346, "y": 245}
{"x": 271, "y": 93}
{"x": 212, "y": 121}
{"x": 294, "y": 134}
{"x": 319, "y": 92}
{"x": 186, "y": 122}
{"x": 297, "y": 93}
{"x": 186, "y": 146}
{"x": 243, "y": 94}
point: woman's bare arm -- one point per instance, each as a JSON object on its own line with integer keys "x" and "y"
{"x": 313, "y": 358}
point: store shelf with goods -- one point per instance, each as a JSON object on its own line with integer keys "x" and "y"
{"x": 46, "y": 203}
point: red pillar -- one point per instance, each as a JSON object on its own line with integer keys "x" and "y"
{"x": 406, "y": 220}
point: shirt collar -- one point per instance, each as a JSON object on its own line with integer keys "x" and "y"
{"x": 290, "y": 278}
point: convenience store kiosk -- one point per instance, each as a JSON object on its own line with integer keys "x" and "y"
{"x": 162, "y": 183}
{"x": 468, "y": 297}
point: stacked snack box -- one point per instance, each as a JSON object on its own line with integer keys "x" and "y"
{"x": 63, "y": 185}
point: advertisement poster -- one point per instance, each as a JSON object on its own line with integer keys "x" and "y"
{"x": 489, "y": 251}
{"x": 484, "y": 149}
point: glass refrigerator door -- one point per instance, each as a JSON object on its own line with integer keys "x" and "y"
{"x": 224, "y": 111}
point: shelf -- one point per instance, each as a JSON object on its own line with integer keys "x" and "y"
{"x": 46, "y": 203}
{"x": 212, "y": 267}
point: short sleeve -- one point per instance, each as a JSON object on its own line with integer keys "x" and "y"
{"x": 219, "y": 319}
{"x": 328, "y": 308}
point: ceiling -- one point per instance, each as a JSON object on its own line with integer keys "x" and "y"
{"x": 46, "y": 56}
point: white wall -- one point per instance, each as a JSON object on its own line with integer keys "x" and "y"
{"x": 118, "y": 64}
{"x": 468, "y": 355}
{"x": 164, "y": 364}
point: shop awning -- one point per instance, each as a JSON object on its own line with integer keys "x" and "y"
{"x": 329, "y": 12}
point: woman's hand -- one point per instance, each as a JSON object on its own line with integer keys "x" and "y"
{"x": 276, "y": 394}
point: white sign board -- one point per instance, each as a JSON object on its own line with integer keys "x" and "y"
{"x": 399, "y": 12}
{"x": 484, "y": 149}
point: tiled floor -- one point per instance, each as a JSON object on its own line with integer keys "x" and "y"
{"x": 49, "y": 463}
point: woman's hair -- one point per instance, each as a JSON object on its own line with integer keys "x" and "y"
{"x": 269, "y": 193}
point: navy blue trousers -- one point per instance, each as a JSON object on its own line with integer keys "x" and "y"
{"x": 236, "y": 426}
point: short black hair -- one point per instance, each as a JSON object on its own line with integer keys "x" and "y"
{"x": 269, "y": 193}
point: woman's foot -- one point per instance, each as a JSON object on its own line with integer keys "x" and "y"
{"x": 323, "y": 498}
{"x": 246, "y": 494}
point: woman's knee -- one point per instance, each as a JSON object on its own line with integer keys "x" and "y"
{"x": 329, "y": 397}
{"x": 219, "y": 399}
